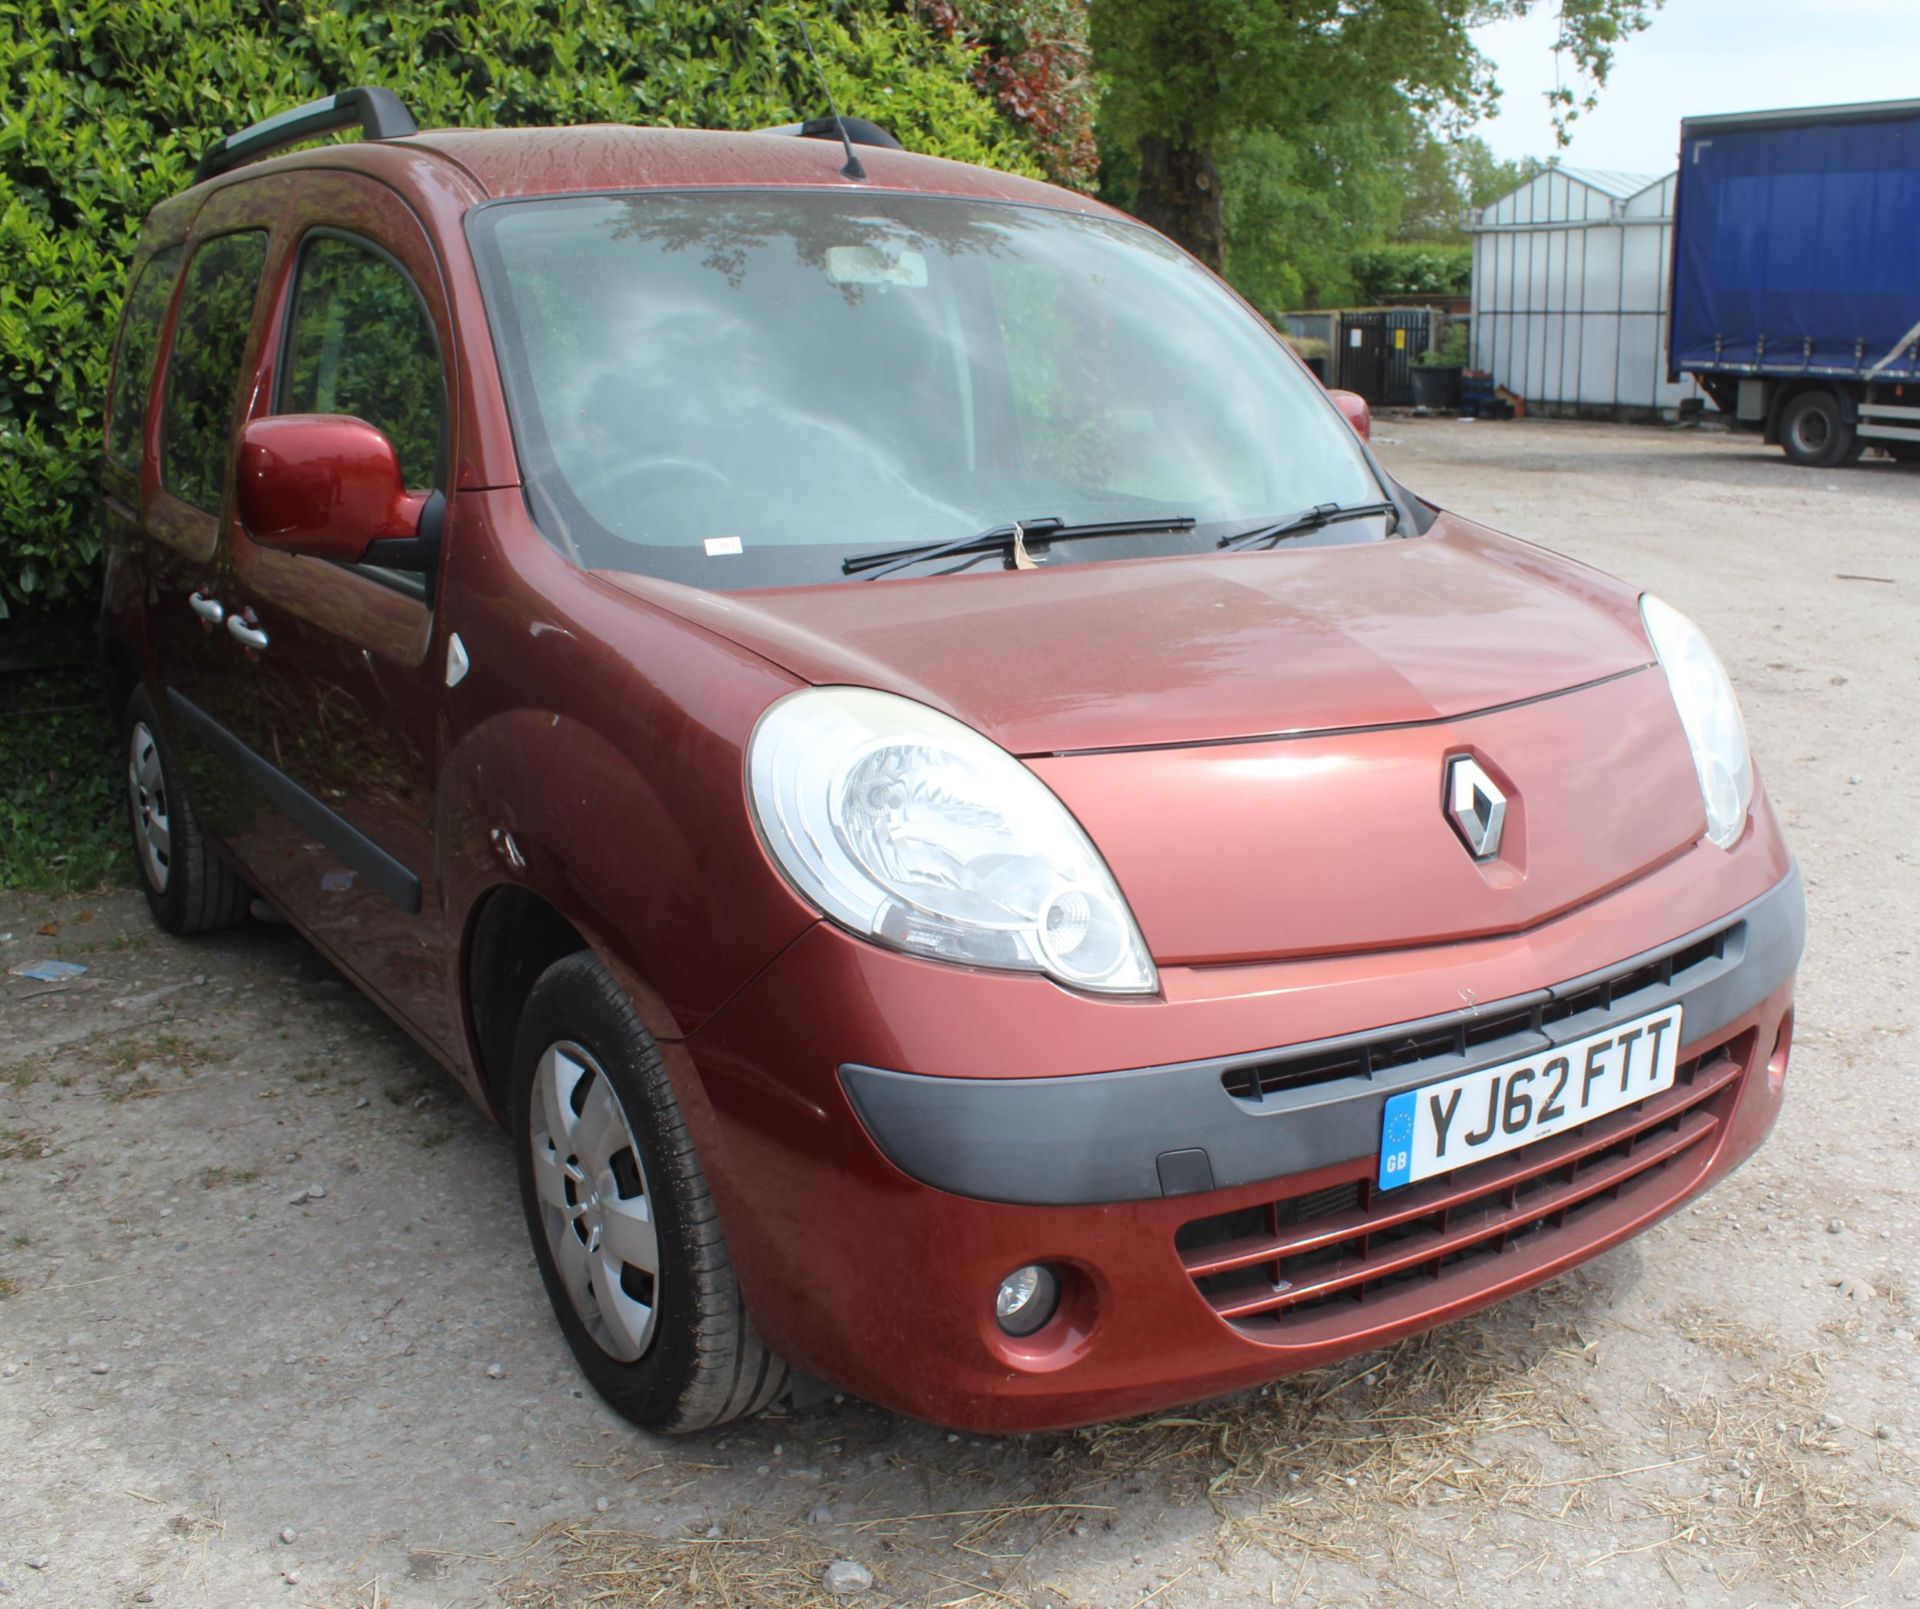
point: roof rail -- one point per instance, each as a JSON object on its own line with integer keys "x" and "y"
{"x": 379, "y": 114}
{"x": 859, "y": 130}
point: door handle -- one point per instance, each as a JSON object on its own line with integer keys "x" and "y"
{"x": 208, "y": 609}
{"x": 252, "y": 636}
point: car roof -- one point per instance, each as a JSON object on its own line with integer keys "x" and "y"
{"x": 512, "y": 163}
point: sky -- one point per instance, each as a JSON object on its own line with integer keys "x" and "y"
{"x": 1701, "y": 56}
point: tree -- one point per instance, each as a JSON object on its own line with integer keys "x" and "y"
{"x": 1183, "y": 77}
{"x": 1442, "y": 179}
{"x": 1295, "y": 213}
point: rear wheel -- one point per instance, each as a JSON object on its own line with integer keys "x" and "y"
{"x": 1814, "y": 433}
{"x": 189, "y": 888}
{"x": 626, "y": 1236}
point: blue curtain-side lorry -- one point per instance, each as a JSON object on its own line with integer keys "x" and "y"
{"x": 1796, "y": 276}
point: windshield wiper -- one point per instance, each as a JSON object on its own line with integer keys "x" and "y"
{"x": 1011, "y": 537}
{"x": 1308, "y": 519}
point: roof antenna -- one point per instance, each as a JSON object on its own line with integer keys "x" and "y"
{"x": 852, "y": 170}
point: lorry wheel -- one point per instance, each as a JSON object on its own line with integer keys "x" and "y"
{"x": 1813, "y": 433}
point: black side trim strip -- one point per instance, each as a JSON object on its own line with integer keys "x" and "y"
{"x": 345, "y": 841}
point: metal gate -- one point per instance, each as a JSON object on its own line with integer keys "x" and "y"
{"x": 1377, "y": 349}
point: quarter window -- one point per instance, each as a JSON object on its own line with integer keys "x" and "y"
{"x": 361, "y": 343}
{"x": 203, "y": 372}
{"x": 145, "y": 312}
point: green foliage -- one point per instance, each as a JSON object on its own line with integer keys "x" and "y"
{"x": 1035, "y": 61}
{"x": 1442, "y": 180}
{"x": 107, "y": 104}
{"x": 1294, "y": 212}
{"x": 1452, "y": 351}
{"x": 1187, "y": 79}
{"x": 1412, "y": 270}
{"x": 62, "y": 822}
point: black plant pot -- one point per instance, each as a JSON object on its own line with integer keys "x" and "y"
{"x": 1435, "y": 387}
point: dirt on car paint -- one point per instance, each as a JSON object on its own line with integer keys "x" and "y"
{"x": 270, "y": 1332}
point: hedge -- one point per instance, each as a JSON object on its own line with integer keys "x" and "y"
{"x": 1412, "y": 270}
{"x": 109, "y": 103}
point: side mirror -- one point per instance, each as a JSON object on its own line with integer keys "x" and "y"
{"x": 1353, "y": 408}
{"x": 329, "y": 485}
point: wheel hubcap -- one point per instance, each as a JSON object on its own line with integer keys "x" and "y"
{"x": 594, "y": 1203}
{"x": 147, "y": 794}
{"x": 1813, "y": 432}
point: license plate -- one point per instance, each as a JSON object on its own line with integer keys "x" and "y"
{"x": 1439, "y": 1127}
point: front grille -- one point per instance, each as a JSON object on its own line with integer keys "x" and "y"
{"x": 1347, "y": 1256}
{"x": 1362, "y": 1059}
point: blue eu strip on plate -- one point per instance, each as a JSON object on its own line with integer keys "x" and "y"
{"x": 1396, "y": 1139}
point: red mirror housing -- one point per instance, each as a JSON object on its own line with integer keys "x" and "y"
{"x": 1353, "y": 408}
{"x": 324, "y": 484}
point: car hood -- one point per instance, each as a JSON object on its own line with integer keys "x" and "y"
{"x": 1199, "y": 648}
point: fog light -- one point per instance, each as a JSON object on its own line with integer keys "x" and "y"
{"x": 1026, "y": 1299}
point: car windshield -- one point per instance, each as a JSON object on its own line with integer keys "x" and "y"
{"x": 744, "y": 389}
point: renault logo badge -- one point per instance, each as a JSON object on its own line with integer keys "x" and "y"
{"x": 1477, "y": 809}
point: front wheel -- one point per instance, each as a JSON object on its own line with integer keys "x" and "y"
{"x": 626, "y": 1236}
{"x": 1814, "y": 433}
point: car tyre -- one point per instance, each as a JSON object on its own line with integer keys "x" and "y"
{"x": 1813, "y": 432}
{"x": 189, "y": 887}
{"x": 609, "y": 1180}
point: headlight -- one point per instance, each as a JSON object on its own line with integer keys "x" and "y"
{"x": 1709, "y": 713}
{"x": 905, "y": 826}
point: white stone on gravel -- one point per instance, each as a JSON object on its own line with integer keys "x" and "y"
{"x": 316, "y": 1192}
{"x": 495, "y": 1372}
{"x": 845, "y": 1578}
{"x": 286, "y": 1533}
{"x": 99, "y": 1368}
{"x": 38, "y": 1562}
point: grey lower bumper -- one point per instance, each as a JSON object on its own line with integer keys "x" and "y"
{"x": 1176, "y": 1130}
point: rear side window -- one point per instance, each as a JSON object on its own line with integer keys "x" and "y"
{"x": 203, "y": 372}
{"x": 360, "y": 342}
{"x": 140, "y": 323}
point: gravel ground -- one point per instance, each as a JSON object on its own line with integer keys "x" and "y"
{"x": 270, "y": 1333}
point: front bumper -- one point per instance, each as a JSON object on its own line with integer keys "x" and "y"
{"x": 872, "y": 1213}
{"x": 1232, "y": 1120}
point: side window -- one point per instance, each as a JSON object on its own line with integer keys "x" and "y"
{"x": 360, "y": 343}
{"x": 140, "y": 321}
{"x": 203, "y": 372}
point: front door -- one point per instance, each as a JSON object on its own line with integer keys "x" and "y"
{"x": 336, "y": 716}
